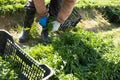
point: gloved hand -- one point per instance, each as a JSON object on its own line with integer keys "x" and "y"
{"x": 43, "y": 21}
{"x": 56, "y": 26}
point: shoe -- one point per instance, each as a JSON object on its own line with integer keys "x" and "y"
{"x": 44, "y": 35}
{"x": 28, "y": 21}
{"x": 24, "y": 37}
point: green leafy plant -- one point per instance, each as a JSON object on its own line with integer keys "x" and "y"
{"x": 78, "y": 54}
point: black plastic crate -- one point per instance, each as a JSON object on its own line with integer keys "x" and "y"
{"x": 72, "y": 20}
{"x": 27, "y": 67}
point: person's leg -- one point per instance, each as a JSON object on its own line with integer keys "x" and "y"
{"x": 54, "y": 7}
{"x": 28, "y": 20}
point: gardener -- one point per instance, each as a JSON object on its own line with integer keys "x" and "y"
{"x": 60, "y": 9}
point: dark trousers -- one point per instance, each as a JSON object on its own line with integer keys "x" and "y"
{"x": 53, "y": 7}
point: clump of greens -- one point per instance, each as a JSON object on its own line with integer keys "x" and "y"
{"x": 11, "y": 6}
{"x": 78, "y": 54}
{"x": 6, "y": 71}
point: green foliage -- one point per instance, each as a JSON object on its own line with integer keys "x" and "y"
{"x": 6, "y": 71}
{"x": 74, "y": 54}
{"x": 11, "y": 6}
{"x": 34, "y": 32}
{"x": 50, "y": 25}
{"x": 78, "y": 55}
{"x": 96, "y": 3}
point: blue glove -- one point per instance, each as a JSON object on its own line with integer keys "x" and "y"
{"x": 43, "y": 21}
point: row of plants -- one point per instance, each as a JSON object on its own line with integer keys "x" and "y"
{"x": 13, "y": 6}
{"x": 73, "y": 55}
{"x": 97, "y": 3}
{"x": 79, "y": 55}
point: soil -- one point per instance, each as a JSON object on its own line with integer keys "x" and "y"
{"x": 11, "y": 22}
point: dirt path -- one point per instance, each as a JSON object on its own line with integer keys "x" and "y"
{"x": 9, "y": 21}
